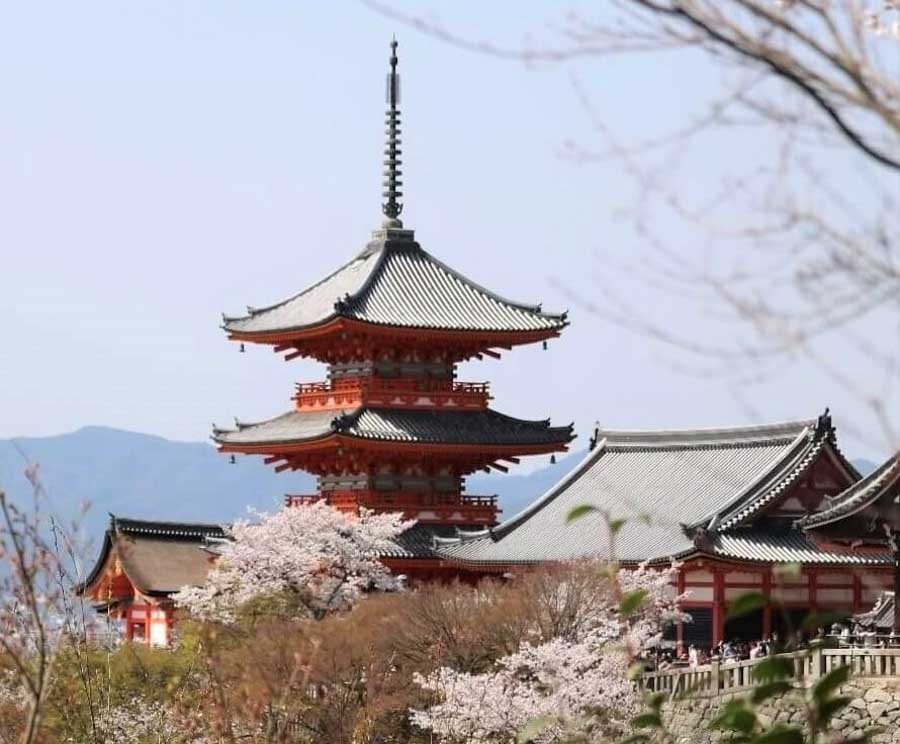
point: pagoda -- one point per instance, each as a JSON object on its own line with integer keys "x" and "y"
{"x": 391, "y": 429}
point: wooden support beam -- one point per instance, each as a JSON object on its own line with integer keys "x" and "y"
{"x": 281, "y": 468}
{"x": 498, "y": 466}
{"x": 490, "y": 353}
{"x": 282, "y": 347}
{"x": 293, "y": 355}
{"x": 272, "y": 459}
{"x": 513, "y": 460}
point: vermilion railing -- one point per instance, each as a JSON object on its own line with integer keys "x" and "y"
{"x": 403, "y": 392}
{"x": 442, "y": 508}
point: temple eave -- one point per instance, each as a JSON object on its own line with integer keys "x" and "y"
{"x": 307, "y": 335}
{"x": 491, "y": 450}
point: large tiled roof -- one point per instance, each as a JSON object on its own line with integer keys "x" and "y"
{"x": 858, "y": 496}
{"x": 394, "y": 282}
{"x": 393, "y": 425}
{"x": 668, "y": 486}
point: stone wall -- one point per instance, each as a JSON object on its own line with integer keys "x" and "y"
{"x": 875, "y": 704}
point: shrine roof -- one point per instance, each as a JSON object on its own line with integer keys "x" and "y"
{"x": 669, "y": 486}
{"x": 881, "y": 616}
{"x": 418, "y": 541}
{"x": 157, "y": 557}
{"x": 397, "y": 425}
{"x": 393, "y": 282}
{"x": 861, "y": 494}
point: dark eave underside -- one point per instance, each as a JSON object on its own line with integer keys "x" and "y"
{"x": 392, "y": 425}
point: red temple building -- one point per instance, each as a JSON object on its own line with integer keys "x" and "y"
{"x": 392, "y": 428}
{"x": 729, "y": 505}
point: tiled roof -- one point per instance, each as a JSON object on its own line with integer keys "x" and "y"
{"x": 860, "y": 495}
{"x": 789, "y": 546}
{"x": 394, "y": 282}
{"x": 680, "y": 492}
{"x": 426, "y": 426}
{"x": 881, "y": 616}
{"x": 158, "y": 557}
{"x": 156, "y": 528}
{"x": 658, "y": 481}
{"x": 418, "y": 541}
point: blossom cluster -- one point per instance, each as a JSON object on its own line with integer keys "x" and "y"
{"x": 325, "y": 558}
{"x": 142, "y": 722}
{"x": 572, "y": 684}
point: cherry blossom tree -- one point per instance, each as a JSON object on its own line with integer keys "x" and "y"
{"x": 315, "y": 554}
{"x": 563, "y": 685}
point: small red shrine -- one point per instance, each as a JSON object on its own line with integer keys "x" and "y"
{"x": 141, "y": 565}
{"x": 392, "y": 429}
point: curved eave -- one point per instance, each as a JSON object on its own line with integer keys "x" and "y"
{"x": 857, "y": 497}
{"x": 96, "y": 573}
{"x": 333, "y": 441}
{"x": 337, "y": 324}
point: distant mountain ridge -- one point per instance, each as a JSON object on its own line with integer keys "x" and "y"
{"x": 146, "y": 476}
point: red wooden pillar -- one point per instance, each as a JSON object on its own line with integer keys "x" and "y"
{"x": 679, "y": 628}
{"x": 857, "y": 593}
{"x": 718, "y": 606}
{"x": 767, "y": 608}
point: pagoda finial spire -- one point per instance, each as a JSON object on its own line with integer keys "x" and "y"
{"x": 392, "y": 173}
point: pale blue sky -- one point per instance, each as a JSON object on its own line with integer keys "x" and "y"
{"x": 162, "y": 162}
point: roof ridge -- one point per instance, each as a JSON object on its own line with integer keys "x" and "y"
{"x": 730, "y": 434}
{"x": 371, "y": 248}
{"x": 127, "y": 523}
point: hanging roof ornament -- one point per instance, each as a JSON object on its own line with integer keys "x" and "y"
{"x": 392, "y": 182}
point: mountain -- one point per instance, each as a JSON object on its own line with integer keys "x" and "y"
{"x": 141, "y": 475}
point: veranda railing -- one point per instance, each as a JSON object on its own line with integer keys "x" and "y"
{"x": 725, "y": 677}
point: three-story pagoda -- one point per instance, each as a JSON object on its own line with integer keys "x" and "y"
{"x": 392, "y": 429}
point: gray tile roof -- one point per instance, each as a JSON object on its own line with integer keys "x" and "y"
{"x": 659, "y": 482}
{"x": 158, "y": 557}
{"x": 394, "y": 282}
{"x": 790, "y": 546}
{"x": 881, "y": 616}
{"x": 393, "y": 425}
{"x": 858, "y": 496}
{"x": 418, "y": 541}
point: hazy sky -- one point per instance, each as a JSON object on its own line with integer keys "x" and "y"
{"x": 163, "y": 162}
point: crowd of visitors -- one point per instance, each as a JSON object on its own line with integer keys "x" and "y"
{"x": 691, "y": 656}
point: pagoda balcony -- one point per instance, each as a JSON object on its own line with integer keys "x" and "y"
{"x": 380, "y": 392}
{"x": 426, "y": 508}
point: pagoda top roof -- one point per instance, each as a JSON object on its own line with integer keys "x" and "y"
{"x": 394, "y": 282}
{"x": 396, "y": 425}
{"x": 680, "y": 492}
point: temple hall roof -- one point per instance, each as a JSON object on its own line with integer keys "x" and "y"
{"x": 679, "y": 492}
{"x": 157, "y": 557}
{"x": 393, "y": 282}
{"x": 397, "y": 425}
